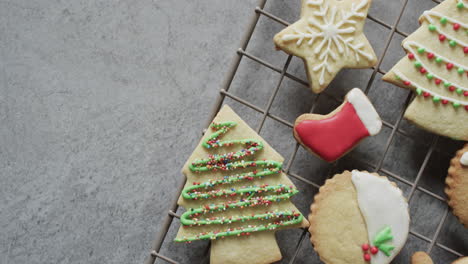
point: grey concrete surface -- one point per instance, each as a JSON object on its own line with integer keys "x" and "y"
{"x": 101, "y": 102}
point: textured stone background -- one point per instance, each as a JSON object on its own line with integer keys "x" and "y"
{"x": 102, "y": 101}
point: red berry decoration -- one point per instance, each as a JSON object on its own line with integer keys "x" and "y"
{"x": 422, "y": 70}
{"x": 452, "y": 88}
{"x": 374, "y": 250}
{"x": 411, "y": 56}
{"x": 367, "y": 257}
{"x": 465, "y": 93}
{"x": 466, "y": 107}
{"x": 445, "y": 101}
{"x": 449, "y": 66}
{"x": 365, "y": 247}
{"x": 465, "y": 49}
{"x": 438, "y": 81}
{"x": 426, "y": 94}
{"x": 442, "y": 37}
{"x": 456, "y": 26}
{"x": 407, "y": 83}
{"x": 430, "y": 55}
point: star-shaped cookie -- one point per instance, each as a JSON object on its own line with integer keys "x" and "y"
{"x": 328, "y": 37}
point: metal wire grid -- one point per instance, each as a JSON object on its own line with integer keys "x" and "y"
{"x": 224, "y": 92}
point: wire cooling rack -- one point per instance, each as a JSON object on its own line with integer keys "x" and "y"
{"x": 432, "y": 243}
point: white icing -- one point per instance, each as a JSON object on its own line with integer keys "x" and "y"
{"x": 398, "y": 73}
{"x": 464, "y": 159}
{"x": 314, "y": 2}
{"x": 407, "y": 45}
{"x": 427, "y": 15}
{"x": 382, "y": 205}
{"x": 331, "y": 31}
{"x": 300, "y": 36}
{"x": 365, "y": 110}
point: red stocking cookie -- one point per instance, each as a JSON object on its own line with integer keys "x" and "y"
{"x": 333, "y": 135}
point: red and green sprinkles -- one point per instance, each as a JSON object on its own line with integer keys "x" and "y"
{"x": 432, "y": 57}
{"x": 451, "y": 42}
{"x": 438, "y": 80}
{"x": 428, "y": 94}
{"x": 445, "y": 23}
{"x": 234, "y": 161}
{"x": 416, "y": 53}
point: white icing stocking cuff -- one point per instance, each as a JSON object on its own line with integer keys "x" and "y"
{"x": 464, "y": 159}
{"x": 365, "y": 110}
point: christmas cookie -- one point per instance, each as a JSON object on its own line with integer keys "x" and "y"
{"x": 358, "y": 217}
{"x": 328, "y": 37}
{"x": 436, "y": 69}
{"x": 236, "y": 194}
{"x": 333, "y": 135}
{"x": 422, "y": 258}
{"x": 457, "y": 185}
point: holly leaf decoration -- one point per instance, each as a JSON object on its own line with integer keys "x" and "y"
{"x": 386, "y": 249}
{"x": 381, "y": 239}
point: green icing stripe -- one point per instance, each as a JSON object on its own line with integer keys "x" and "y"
{"x": 233, "y": 161}
{"x": 239, "y": 232}
{"x": 193, "y": 193}
{"x": 187, "y": 217}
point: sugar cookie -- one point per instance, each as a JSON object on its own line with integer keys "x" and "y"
{"x": 328, "y": 37}
{"x": 436, "y": 68}
{"x": 236, "y": 194}
{"x": 358, "y": 217}
{"x": 423, "y": 258}
{"x": 457, "y": 185}
{"x": 332, "y": 136}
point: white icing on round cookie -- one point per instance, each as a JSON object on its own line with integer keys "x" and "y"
{"x": 382, "y": 205}
{"x": 464, "y": 159}
{"x": 365, "y": 110}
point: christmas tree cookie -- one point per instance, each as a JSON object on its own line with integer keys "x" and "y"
{"x": 423, "y": 258}
{"x": 333, "y": 135}
{"x": 236, "y": 194}
{"x": 328, "y": 37}
{"x": 358, "y": 217}
{"x": 436, "y": 69}
{"x": 457, "y": 185}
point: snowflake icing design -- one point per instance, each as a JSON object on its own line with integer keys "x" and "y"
{"x": 332, "y": 32}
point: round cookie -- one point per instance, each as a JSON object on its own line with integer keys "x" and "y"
{"x": 457, "y": 185}
{"x": 463, "y": 260}
{"x": 423, "y": 258}
{"x": 358, "y": 217}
